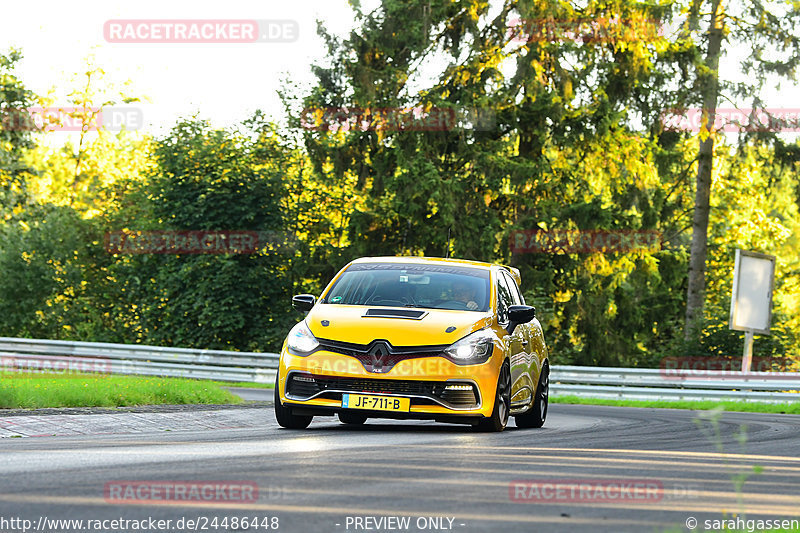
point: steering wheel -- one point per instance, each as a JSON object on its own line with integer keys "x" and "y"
{"x": 402, "y": 301}
{"x": 457, "y": 305}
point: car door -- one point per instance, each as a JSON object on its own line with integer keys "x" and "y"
{"x": 536, "y": 351}
{"x": 516, "y": 342}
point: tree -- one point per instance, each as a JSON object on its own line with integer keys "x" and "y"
{"x": 755, "y": 208}
{"x": 48, "y": 256}
{"x": 557, "y": 153}
{"x": 213, "y": 180}
{"x": 15, "y": 135}
{"x": 769, "y": 31}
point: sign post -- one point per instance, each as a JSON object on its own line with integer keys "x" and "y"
{"x": 747, "y": 356}
{"x": 751, "y": 299}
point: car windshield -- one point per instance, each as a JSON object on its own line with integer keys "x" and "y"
{"x": 412, "y": 285}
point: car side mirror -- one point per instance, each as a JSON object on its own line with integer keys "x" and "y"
{"x": 304, "y": 302}
{"x": 519, "y": 314}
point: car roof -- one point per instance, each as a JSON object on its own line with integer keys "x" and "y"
{"x": 434, "y": 260}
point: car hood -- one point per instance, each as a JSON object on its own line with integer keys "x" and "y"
{"x": 353, "y": 323}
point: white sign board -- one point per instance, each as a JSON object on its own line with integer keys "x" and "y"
{"x": 751, "y": 302}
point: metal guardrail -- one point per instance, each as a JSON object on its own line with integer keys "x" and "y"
{"x": 674, "y": 384}
{"x": 136, "y": 359}
{"x": 221, "y": 365}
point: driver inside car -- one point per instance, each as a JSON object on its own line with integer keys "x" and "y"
{"x": 465, "y": 292}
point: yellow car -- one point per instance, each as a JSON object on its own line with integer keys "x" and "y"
{"x": 415, "y": 338}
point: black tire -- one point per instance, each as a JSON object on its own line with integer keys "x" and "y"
{"x": 502, "y": 404}
{"x": 355, "y": 419}
{"x": 537, "y": 414}
{"x": 284, "y": 415}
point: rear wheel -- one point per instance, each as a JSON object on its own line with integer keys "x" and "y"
{"x": 284, "y": 414}
{"x": 536, "y": 415}
{"x": 502, "y": 403}
{"x": 352, "y": 418}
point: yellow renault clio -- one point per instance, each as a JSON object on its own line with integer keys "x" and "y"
{"x": 415, "y": 338}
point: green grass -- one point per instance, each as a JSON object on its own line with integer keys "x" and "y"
{"x": 83, "y": 390}
{"x": 244, "y": 385}
{"x": 745, "y": 407}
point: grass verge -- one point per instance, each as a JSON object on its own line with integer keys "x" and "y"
{"x": 742, "y": 407}
{"x": 244, "y": 385}
{"x": 83, "y": 390}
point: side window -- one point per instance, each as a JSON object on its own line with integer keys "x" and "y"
{"x": 504, "y": 299}
{"x": 516, "y": 294}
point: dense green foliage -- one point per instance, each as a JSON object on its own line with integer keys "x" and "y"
{"x": 204, "y": 180}
{"x": 539, "y": 133}
{"x": 14, "y": 172}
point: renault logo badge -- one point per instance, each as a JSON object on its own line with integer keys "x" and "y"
{"x": 377, "y": 353}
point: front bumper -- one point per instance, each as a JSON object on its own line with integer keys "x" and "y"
{"x": 436, "y": 387}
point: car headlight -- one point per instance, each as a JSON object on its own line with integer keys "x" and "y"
{"x": 301, "y": 339}
{"x": 474, "y": 348}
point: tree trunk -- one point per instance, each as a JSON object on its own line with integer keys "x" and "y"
{"x": 709, "y": 84}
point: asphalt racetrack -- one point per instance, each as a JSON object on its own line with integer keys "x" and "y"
{"x": 590, "y": 468}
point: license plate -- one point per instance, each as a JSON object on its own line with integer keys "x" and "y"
{"x": 375, "y": 403}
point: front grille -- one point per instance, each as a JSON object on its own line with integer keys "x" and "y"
{"x": 331, "y": 387}
{"x": 384, "y": 386}
{"x": 380, "y": 356}
{"x": 351, "y": 348}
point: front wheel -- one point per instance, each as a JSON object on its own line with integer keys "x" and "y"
{"x": 502, "y": 403}
{"x": 284, "y": 415}
{"x": 536, "y": 415}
